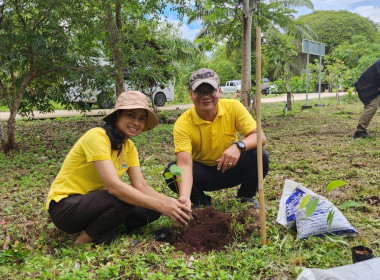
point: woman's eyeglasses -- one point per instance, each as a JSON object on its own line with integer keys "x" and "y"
{"x": 210, "y": 93}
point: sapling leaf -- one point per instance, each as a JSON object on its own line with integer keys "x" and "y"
{"x": 175, "y": 170}
{"x": 304, "y": 201}
{"x": 311, "y": 207}
{"x": 330, "y": 217}
{"x": 335, "y": 184}
{"x": 168, "y": 175}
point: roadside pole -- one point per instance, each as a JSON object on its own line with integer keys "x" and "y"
{"x": 259, "y": 138}
{"x": 310, "y": 47}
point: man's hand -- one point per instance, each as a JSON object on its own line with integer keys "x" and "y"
{"x": 185, "y": 200}
{"x": 229, "y": 158}
{"x": 176, "y": 210}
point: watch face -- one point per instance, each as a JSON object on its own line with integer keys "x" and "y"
{"x": 241, "y": 145}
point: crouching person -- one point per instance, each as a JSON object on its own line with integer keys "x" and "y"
{"x": 88, "y": 195}
{"x": 206, "y": 146}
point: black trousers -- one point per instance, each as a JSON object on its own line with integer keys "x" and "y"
{"x": 99, "y": 214}
{"x": 208, "y": 178}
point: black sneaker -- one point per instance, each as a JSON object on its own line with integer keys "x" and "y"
{"x": 253, "y": 201}
{"x": 361, "y": 134}
{"x": 203, "y": 201}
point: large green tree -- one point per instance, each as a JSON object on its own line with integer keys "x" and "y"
{"x": 49, "y": 46}
{"x": 335, "y": 27}
{"x": 155, "y": 51}
{"x": 35, "y": 51}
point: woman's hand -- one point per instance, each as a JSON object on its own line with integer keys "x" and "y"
{"x": 177, "y": 211}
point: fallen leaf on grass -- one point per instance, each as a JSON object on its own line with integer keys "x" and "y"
{"x": 359, "y": 164}
{"x": 298, "y": 170}
{"x": 6, "y": 242}
{"x": 374, "y": 200}
{"x": 189, "y": 262}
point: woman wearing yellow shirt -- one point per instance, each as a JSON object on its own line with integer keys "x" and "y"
{"x": 88, "y": 195}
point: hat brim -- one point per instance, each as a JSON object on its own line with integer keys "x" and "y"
{"x": 151, "y": 121}
{"x": 213, "y": 83}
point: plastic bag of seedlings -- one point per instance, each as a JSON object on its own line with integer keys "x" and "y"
{"x": 317, "y": 224}
{"x": 292, "y": 195}
{"x": 290, "y": 214}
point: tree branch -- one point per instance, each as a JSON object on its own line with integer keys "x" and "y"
{"x": 46, "y": 14}
{"x": 23, "y": 21}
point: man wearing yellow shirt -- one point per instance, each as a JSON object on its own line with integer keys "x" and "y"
{"x": 207, "y": 147}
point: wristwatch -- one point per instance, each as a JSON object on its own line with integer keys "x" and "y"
{"x": 241, "y": 146}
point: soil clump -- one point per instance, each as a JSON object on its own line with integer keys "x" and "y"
{"x": 210, "y": 230}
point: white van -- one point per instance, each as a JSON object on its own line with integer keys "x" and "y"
{"x": 160, "y": 96}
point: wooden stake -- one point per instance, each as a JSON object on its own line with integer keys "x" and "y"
{"x": 259, "y": 138}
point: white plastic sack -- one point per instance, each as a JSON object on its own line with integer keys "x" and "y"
{"x": 364, "y": 270}
{"x": 291, "y": 196}
{"x": 317, "y": 224}
{"x": 291, "y": 215}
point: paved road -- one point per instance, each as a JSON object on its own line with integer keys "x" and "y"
{"x": 102, "y": 112}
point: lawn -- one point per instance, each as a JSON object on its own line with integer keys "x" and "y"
{"x": 312, "y": 147}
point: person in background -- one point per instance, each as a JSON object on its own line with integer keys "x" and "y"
{"x": 368, "y": 88}
{"x": 207, "y": 147}
{"x": 88, "y": 195}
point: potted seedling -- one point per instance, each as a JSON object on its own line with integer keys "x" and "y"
{"x": 359, "y": 253}
{"x": 165, "y": 234}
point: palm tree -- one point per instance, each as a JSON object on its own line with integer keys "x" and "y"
{"x": 222, "y": 21}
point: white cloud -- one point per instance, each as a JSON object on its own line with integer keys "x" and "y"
{"x": 187, "y": 31}
{"x": 372, "y": 12}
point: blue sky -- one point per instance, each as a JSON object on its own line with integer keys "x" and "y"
{"x": 366, "y": 8}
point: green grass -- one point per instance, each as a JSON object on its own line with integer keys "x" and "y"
{"x": 312, "y": 147}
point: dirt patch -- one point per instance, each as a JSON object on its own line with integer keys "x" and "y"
{"x": 210, "y": 230}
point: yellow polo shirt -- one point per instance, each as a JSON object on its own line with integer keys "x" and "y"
{"x": 78, "y": 174}
{"x": 207, "y": 141}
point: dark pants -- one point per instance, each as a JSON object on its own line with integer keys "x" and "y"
{"x": 208, "y": 178}
{"x": 99, "y": 214}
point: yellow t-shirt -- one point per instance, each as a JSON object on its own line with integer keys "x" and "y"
{"x": 78, "y": 174}
{"x": 207, "y": 141}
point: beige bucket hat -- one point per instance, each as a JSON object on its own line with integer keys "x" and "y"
{"x": 134, "y": 100}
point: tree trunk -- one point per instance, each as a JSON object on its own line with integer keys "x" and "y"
{"x": 289, "y": 100}
{"x": 114, "y": 30}
{"x": 13, "y": 98}
{"x": 2, "y": 137}
{"x": 11, "y": 132}
{"x": 337, "y": 96}
{"x": 246, "y": 53}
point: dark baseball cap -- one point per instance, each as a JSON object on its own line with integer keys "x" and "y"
{"x": 204, "y": 76}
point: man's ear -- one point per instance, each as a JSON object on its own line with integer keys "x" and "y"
{"x": 191, "y": 93}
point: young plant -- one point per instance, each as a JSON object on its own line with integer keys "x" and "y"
{"x": 312, "y": 206}
{"x": 174, "y": 173}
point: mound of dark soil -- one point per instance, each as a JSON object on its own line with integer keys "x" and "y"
{"x": 210, "y": 230}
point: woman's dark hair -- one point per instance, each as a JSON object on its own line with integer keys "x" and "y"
{"x": 112, "y": 132}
